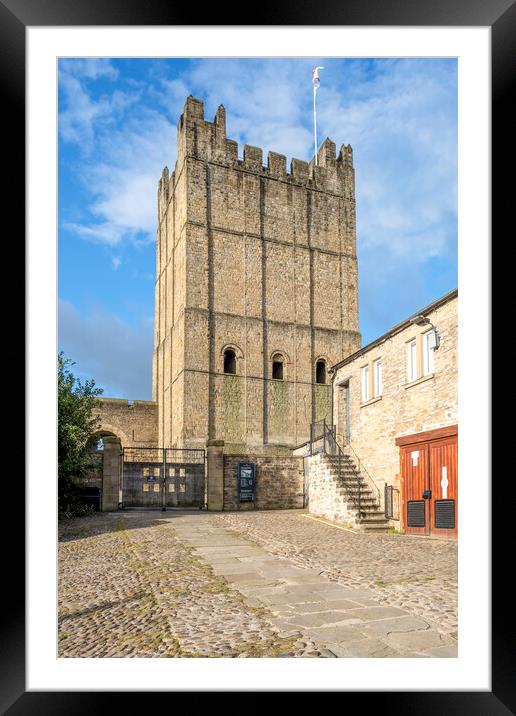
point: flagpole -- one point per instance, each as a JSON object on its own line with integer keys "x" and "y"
{"x": 315, "y": 81}
{"x": 315, "y": 129}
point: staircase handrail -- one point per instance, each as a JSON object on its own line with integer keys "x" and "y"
{"x": 330, "y": 435}
{"x": 364, "y": 471}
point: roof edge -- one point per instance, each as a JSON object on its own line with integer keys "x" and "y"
{"x": 397, "y": 328}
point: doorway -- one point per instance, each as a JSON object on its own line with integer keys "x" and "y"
{"x": 343, "y": 414}
{"x": 429, "y": 490}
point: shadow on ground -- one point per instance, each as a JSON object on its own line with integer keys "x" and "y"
{"x": 77, "y": 528}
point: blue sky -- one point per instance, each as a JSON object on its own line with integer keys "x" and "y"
{"x": 117, "y": 130}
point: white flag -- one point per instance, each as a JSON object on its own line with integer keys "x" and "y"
{"x": 315, "y": 77}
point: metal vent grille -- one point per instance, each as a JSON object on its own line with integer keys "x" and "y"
{"x": 416, "y": 513}
{"x": 445, "y": 514}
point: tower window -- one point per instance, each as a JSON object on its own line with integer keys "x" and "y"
{"x": 229, "y": 362}
{"x": 277, "y": 368}
{"x": 320, "y": 372}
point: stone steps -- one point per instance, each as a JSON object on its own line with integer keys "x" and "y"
{"x": 350, "y": 485}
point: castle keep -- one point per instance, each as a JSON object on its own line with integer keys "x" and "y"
{"x": 256, "y": 290}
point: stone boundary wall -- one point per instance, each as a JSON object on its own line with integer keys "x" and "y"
{"x": 135, "y": 422}
{"x": 279, "y": 483}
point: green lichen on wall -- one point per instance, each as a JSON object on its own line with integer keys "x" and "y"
{"x": 279, "y": 412}
{"x": 322, "y": 402}
{"x": 232, "y": 396}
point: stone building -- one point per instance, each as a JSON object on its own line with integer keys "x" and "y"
{"x": 256, "y": 290}
{"x": 395, "y": 412}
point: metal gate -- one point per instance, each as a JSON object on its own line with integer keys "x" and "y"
{"x": 163, "y": 477}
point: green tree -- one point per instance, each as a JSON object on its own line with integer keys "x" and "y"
{"x": 77, "y": 426}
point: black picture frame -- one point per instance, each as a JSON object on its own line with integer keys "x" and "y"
{"x": 500, "y": 16}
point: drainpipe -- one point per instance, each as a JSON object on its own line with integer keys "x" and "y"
{"x": 332, "y": 373}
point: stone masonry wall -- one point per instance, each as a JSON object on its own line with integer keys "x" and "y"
{"x": 325, "y": 498}
{"x": 404, "y": 408}
{"x": 134, "y": 422}
{"x": 259, "y": 260}
{"x": 279, "y": 482}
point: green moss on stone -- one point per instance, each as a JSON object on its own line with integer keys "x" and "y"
{"x": 232, "y": 406}
{"x": 322, "y": 402}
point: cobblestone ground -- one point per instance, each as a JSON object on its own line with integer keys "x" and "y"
{"x": 129, "y": 588}
{"x": 416, "y": 574}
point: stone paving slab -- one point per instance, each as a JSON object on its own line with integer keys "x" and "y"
{"x": 419, "y": 640}
{"x": 341, "y": 621}
{"x": 413, "y": 573}
{"x": 366, "y": 648}
{"x": 443, "y": 652}
{"x": 371, "y": 614}
{"x": 310, "y": 607}
{"x": 319, "y": 619}
{"x": 405, "y": 623}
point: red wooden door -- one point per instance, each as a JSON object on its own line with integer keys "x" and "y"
{"x": 414, "y": 472}
{"x": 443, "y": 486}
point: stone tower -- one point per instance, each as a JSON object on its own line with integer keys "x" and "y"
{"x": 256, "y": 289}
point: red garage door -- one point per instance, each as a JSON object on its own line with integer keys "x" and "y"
{"x": 429, "y": 482}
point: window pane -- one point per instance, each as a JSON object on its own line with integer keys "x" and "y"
{"x": 377, "y": 378}
{"x": 365, "y": 383}
{"x": 412, "y": 374}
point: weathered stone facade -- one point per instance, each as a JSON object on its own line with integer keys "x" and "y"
{"x": 258, "y": 261}
{"x": 326, "y": 499}
{"x": 404, "y": 407}
{"x": 134, "y": 422}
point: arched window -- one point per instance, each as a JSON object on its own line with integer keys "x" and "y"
{"x": 277, "y": 367}
{"x": 229, "y": 361}
{"x": 320, "y": 371}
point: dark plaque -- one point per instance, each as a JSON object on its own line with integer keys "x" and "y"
{"x": 246, "y": 478}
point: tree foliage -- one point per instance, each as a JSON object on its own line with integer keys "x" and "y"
{"x": 77, "y": 426}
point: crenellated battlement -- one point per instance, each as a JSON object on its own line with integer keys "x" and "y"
{"x": 203, "y": 140}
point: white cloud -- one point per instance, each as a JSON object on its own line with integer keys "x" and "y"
{"x": 105, "y": 233}
{"x": 123, "y": 152}
{"x": 405, "y": 155}
{"x": 80, "y": 117}
{"x": 126, "y": 181}
{"x": 89, "y": 67}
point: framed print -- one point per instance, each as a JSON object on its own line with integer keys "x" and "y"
{"x": 96, "y": 203}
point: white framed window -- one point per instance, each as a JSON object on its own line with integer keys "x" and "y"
{"x": 364, "y": 376}
{"x": 412, "y": 360}
{"x": 377, "y": 377}
{"x": 428, "y": 352}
